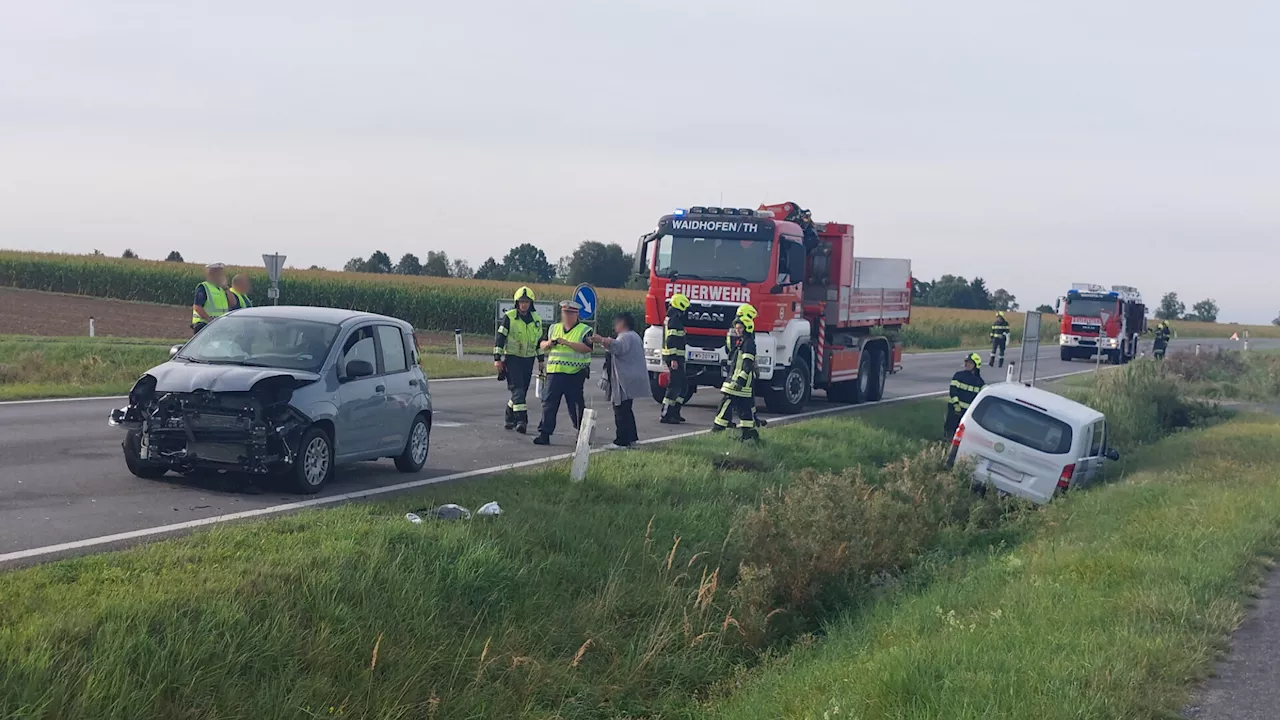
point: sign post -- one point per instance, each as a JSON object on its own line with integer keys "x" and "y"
{"x": 274, "y": 263}
{"x": 1102, "y": 330}
{"x": 1030, "y": 347}
{"x": 588, "y": 307}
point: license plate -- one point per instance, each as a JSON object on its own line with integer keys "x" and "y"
{"x": 703, "y": 356}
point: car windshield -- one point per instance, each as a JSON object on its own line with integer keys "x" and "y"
{"x": 714, "y": 258}
{"x": 1024, "y": 425}
{"x": 1089, "y": 307}
{"x": 253, "y": 340}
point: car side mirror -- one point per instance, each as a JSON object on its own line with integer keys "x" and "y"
{"x": 1111, "y": 454}
{"x": 358, "y": 369}
{"x": 174, "y": 350}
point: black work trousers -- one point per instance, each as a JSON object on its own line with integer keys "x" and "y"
{"x": 952, "y": 422}
{"x": 570, "y": 389}
{"x": 624, "y": 419}
{"x": 997, "y": 348}
{"x": 519, "y": 374}
{"x": 675, "y": 388}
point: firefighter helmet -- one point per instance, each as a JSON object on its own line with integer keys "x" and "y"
{"x": 680, "y": 302}
{"x": 748, "y": 323}
{"x": 746, "y": 310}
{"x": 976, "y": 359}
{"x": 524, "y": 293}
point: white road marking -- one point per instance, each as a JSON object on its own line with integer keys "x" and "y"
{"x": 446, "y": 423}
{"x": 372, "y": 492}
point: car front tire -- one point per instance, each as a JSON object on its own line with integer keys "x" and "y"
{"x": 416, "y": 447}
{"x": 313, "y": 464}
{"x": 140, "y": 468}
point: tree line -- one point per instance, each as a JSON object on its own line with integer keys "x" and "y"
{"x": 953, "y": 291}
{"x": 600, "y": 264}
{"x": 1171, "y": 308}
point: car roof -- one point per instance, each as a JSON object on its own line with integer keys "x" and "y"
{"x": 332, "y": 316}
{"x": 1056, "y": 405}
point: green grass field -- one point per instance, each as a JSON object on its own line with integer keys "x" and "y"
{"x": 83, "y": 367}
{"x": 1114, "y": 605}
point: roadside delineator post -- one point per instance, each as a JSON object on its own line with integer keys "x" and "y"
{"x": 1008, "y": 375}
{"x": 457, "y": 341}
{"x": 582, "y": 453}
{"x": 90, "y": 326}
{"x": 1197, "y": 348}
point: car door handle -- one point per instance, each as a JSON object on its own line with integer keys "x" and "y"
{"x": 380, "y": 389}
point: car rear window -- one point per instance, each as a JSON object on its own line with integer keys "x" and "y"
{"x": 1023, "y": 425}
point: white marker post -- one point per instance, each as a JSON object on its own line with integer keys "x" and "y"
{"x": 1197, "y": 348}
{"x": 1008, "y": 375}
{"x": 582, "y": 453}
{"x": 457, "y": 341}
{"x": 90, "y": 326}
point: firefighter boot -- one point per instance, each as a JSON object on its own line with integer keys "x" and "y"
{"x": 522, "y": 422}
{"x": 750, "y": 435}
{"x": 511, "y": 419}
{"x": 670, "y": 415}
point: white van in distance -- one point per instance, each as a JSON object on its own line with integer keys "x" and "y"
{"x": 1030, "y": 442}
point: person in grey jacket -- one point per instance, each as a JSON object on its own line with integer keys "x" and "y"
{"x": 625, "y": 377}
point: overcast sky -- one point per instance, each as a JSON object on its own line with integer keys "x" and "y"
{"x": 1034, "y": 144}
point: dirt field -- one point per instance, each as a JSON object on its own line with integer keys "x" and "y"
{"x": 29, "y": 312}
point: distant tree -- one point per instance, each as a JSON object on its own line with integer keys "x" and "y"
{"x": 981, "y": 296}
{"x": 490, "y": 269}
{"x": 379, "y": 262}
{"x": 599, "y": 264}
{"x": 461, "y": 268}
{"x": 409, "y": 265}
{"x": 952, "y": 292}
{"x": 356, "y": 264}
{"x": 1205, "y": 311}
{"x": 562, "y": 269}
{"x": 129, "y": 254}
{"x": 1002, "y": 299}
{"x": 1276, "y": 321}
{"x": 315, "y": 267}
{"x": 527, "y": 262}
{"x": 1048, "y": 309}
{"x": 174, "y": 256}
{"x": 1170, "y": 307}
{"x": 920, "y": 290}
{"x": 96, "y": 253}
{"x": 437, "y": 264}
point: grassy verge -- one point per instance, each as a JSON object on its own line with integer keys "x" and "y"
{"x": 82, "y": 367}
{"x": 618, "y": 597}
{"x": 1122, "y": 597}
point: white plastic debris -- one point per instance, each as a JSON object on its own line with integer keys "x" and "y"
{"x": 489, "y": 508}
{"x": 413, "y": 518}
{"x": 450, "y": 512}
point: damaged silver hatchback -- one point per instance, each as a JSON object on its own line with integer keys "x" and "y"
{"x": 288, "y": 391}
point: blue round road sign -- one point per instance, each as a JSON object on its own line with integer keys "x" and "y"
{"x": 585, "y": 296}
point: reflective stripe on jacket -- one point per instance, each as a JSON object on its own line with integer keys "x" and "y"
{"x": 965, "y": 386}
{"x": 673, "y": 335}
{"x": 743, "y": 363}
{"x": 517, "y": 337}
{"x": 563, "y": 359}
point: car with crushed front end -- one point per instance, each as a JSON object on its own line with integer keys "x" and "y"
{"x": 284, "y": 390}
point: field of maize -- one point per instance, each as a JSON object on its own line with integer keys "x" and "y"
{"x": 440, "y": 304}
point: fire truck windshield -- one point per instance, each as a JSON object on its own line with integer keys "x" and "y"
{"x": 1078, "y": 306}
{"x": 714, "y": 258}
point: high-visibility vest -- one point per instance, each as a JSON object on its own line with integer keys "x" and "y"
{"x": 215, "y": 303}
{"x": 244, "y": 299}
{"x": 522, "y": 337}
{"x": 563, "y": 359}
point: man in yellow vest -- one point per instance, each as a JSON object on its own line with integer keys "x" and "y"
{"x": 211, "y": 300}
{"x": 515, "y": 348}
{"x": 240, "y": 290}
{"x": 568, "y": 348}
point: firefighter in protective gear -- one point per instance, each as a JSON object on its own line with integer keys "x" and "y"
{"x": 739, "y": 387}
{"x": 745, "y": 310}
{"x": 999, "y": 338}
{"x": 673, "y": 356}
{"x": 515, "y": 348}
{"x": 965, "y": 386}
{"x": 1163, "y": 334}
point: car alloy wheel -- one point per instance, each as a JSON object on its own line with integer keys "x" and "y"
{"x": 315, "y": 461}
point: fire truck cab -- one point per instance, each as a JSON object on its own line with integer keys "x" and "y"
{"x": 1098, "y": 321}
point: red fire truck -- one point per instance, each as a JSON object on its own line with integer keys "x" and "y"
{"x": 827, "y": 319}
{"x": 1096, "y": 321}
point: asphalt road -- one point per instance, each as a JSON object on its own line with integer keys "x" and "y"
{"x": 64, "y": 487}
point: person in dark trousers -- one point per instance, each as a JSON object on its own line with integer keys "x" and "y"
{"x": 568, "y": 348}
{"x": 515, "y": 349}
{"x": 212, "y": 300}
{"x": 744, "y": 310}
{"x": 965, "y": 386}
{"x": 1163, "y": 334}
{"x": 673, "y": 355}
{"x": 626, "y": 377}
{"x": 999, "y": 339}
{"x": 739, "y": 387}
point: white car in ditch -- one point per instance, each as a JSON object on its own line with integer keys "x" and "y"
{"x": 1031, "y": 443}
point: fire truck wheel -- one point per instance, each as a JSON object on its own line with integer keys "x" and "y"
{"x": 793, "y": 392}
{"x": 879, "y": 375}
{"x": 1066, "y": 355}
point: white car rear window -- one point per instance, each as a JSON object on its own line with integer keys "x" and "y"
{"x": 1023, "y": 425}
